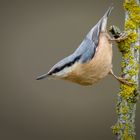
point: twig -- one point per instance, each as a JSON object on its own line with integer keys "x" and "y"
{"x": 128, "y": 95}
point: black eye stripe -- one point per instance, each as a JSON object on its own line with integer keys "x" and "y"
{"x": 64, "y": 66}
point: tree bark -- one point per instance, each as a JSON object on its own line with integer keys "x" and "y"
{"x": 124, "y": 128}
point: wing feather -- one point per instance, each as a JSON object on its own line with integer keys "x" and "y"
{"x": 87, "y": 48}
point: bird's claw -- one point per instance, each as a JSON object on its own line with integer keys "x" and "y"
{"x": 122, "y": 37}
{"x": 125, "y": 81}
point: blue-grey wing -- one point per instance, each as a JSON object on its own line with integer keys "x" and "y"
{"x": 88, "y": 54}
{"x": 86, "y": 50}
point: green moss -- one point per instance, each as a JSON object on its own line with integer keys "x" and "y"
{"x": 127, "y": 92}
{"x": 129, "y": 24}
{"x": 136, "y": 47}
{"x": 125, "y": 45}
{"x": 131, "y": 62}
{"x": 124, "y": 110}
{"x": 126, "y": 135}
{"x": 134, "y": 14}
{"x": 116, "y": 128}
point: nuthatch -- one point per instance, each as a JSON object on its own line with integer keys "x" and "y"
{"x": 91, "y": 61}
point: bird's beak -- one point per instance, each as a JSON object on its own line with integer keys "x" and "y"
{"x": 42, "y": 76}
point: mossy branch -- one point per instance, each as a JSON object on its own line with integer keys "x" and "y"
{"x": 128, "y": 95}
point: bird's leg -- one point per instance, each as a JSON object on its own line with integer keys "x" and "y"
{"x": 122, "y": 37}
{"x": 117, "y": 34}
{"x": 120, "y": 79}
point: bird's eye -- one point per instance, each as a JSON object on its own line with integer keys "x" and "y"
{"x": 69, "y": 64}
{"x": 56, "y": 70}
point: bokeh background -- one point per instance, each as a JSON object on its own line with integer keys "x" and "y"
{"x": 34, "y": 35}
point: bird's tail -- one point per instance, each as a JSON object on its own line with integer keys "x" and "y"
{"x": 105, "y": 18}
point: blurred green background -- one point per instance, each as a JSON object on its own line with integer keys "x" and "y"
{"x": 34, "y": 35}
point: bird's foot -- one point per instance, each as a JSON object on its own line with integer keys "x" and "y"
{"x": 122, "y": 80}
{"x": 125, "y": 81}
{"x": 122, "y": 37}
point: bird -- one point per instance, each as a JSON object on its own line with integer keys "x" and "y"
{"x": 91, "y": 61}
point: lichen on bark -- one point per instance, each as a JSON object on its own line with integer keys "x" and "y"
{"x": 128, "y": 95}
